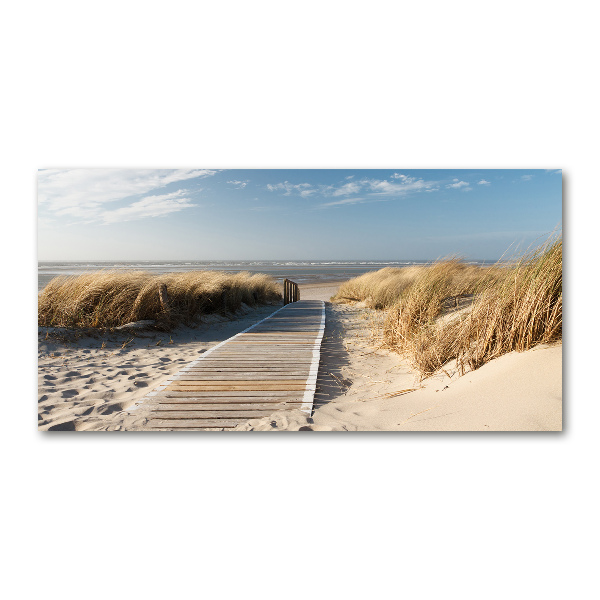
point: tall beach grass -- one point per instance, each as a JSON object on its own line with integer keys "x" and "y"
{"x": 443, "y": 279}
{"x": 511, "y": 306}
{"x": 112, "y": 298}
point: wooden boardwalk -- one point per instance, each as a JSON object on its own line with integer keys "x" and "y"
{"x": 268, "y": 367}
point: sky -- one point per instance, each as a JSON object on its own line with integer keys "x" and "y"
{"x": 299, "y": 214}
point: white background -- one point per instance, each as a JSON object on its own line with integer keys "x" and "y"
{"x": 303, "y": 84}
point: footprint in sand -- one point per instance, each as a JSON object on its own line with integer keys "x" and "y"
{"x": 69, "y": 393}
{"x": 138, "y": 375}
{"x": 49, "y": 377}
{"x": 73, "y": 374}
{"x": 164, "y": 359}
{"x": 140, "y": 384}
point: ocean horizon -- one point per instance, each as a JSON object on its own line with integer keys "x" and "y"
{"x": 301, "y": 271}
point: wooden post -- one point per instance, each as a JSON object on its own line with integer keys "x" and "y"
{"x": 291, "y": 291}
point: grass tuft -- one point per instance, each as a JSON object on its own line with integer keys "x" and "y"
{"x": 112, "y": 298}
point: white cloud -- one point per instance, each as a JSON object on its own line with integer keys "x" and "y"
{"x": 350, "y": 177}
{"x": 347, "y": 189}
{"x": 239, "y": 185}
{"x": 483, "y": 182}
{"x": 304, "y": 189}
{"x": 343, "y": 202}
{"x": 402, "y": 187}
{"x": 458, "y": 184}
{"x": 150, "y": 206}
{"x": 405, "y": 178}
{"x": 526, "y": 177}
{"x": 83, "y": 193}
{"x": 373, "y": 187}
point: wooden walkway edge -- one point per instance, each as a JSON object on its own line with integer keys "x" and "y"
{"x": 270, "y": 366}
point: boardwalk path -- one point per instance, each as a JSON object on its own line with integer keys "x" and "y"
{"x": 270, "y": 366}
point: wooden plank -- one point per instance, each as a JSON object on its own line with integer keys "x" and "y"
{"x": 238, "y": 377}
{"x": 268, "y": 356}
{"x": 262, "y": 357}
{"x": 281, "y": 350}
{"x": 304, "y": 357}
{"x": 281, "y": 356}
{"x": 249, "y": 369}
{"x": 258, "y": 362}
{"x": 228, "y": 394}
{"x": 256, "y": 369}
{"x": 234, "y": 365}
{"x": 226, "y": 408}
{"x": 242, "y": 373}
{"x": 274, "y": 343}
{"x": 188, "y": 383}
{"x": 268, "y": 338}
{"x": 215, "y": 414}
{"x": 200, "y": 382}
{"x": 198, "y": 423}
{"x": 228, "y": 400}
{"x": 231, "y": 387}
{"x": 266, "y": 353}
{"x": 291, "y": 344}
{"x": 264, "y": 344}
{"x": 260, "y": 334}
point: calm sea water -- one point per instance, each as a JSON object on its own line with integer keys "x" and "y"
{"x": 303, "y": 272}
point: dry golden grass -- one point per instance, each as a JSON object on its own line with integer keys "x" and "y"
{"x": 511, "y": 306}
{"x": 387, "y": 287}
{"x": 113, "y": 298}
{"x": 521, "y": 310}
{"x": 378, "y": 289}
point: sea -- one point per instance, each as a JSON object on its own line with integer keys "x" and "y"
{"x": 300, "y": 271}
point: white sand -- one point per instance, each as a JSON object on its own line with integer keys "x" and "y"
{"x": 319, "y": 291}
{"x": 84, "y": 386}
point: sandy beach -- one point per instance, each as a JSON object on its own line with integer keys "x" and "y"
{"x": 98, "y": 383}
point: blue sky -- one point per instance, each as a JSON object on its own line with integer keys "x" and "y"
{"x": 274, "y": 214}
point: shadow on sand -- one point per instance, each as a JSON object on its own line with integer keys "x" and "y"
{"x": 331, "y": 383}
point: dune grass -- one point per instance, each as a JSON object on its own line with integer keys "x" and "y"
{"x": 511, "y": 306}
{"x": 106, "y": 299}
{"x": 443, "y": 279}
